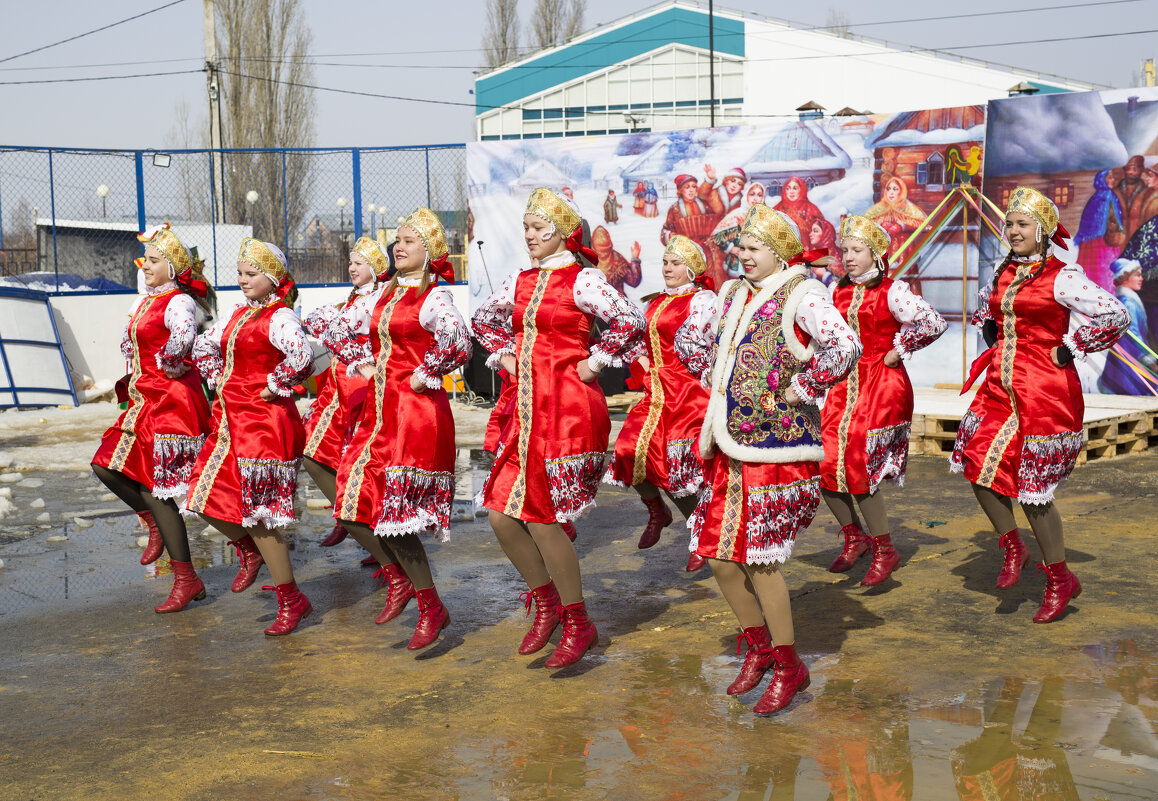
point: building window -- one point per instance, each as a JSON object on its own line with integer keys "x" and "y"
{"x": 934, "y": 171}
{"x": 1006, "y": 191}
{"x": 1062, "y": 193}
{"x": 922, "y": 174}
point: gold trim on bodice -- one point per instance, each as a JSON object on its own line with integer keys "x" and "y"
{"x": 525, "y": 394}
{"x": 655, "y": 409}
{"x": 852, "y": 392}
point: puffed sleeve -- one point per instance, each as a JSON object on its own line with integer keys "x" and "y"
{"x": 1108, "y": 317}
{"x": 625, "y": 322}
{"x": 837, "y": 347}
{"x": 287, "y": 335}
{"x": 335, "y": 329}
{"x": 452, "y": 347}
{"x": 492, "y": 322}
{"x": 982, "y": 312}
{"x": 695, "y": 339}
{"x": 181, "y": 320}
{"x": 207, "y": 352}
{"x": 921, "y": 325}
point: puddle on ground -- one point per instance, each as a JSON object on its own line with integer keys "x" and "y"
{"x": 675, "y": 737}
{"x": 64, "y": 536}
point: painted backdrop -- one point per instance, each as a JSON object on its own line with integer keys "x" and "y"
{"x": 636, "y": 190}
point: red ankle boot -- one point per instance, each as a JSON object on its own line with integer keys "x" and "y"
{"x": 856, "y": 544}
{"x": 251, "y": 561}
{"x": 187, "y": 587}
{"x": 885, "y": 561}
{"x": 399, "y": 594}
{"x": 433, "y": 617}
{"x": 569, "y": 530}
{"x": 658, "y": 517}
{"x": 1016, "y": 555}
{"x": 579, "y": 634}
{"x": 336, "y": 535}
{"x": 789, "y": 678}
{"x": 548, "y": 609}
{"x": 1060, "y": 586}
{"x": 758, "y": 660}
{"x": 695, "y": 562}
{"x": 292, "y": 608}
{"x": 156, "y": 545}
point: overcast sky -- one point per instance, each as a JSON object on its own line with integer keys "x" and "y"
{"x": 415, "y": 53}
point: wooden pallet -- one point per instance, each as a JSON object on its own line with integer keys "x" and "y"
{"x": 1105, "y": 437}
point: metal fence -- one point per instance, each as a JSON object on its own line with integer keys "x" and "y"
{"x": 69, "y": 217}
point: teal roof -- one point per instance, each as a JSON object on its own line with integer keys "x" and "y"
{"x": 560, "y": 65}
{"x": 1048, "y": 88}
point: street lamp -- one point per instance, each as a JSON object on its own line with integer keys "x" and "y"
{"x": 103, "y": 193}
{"x": 373, "y": 208}
{"x": 342, "y": 213}
{"x": 251, "y": 197}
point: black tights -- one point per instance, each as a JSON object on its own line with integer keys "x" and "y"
{"x": 164, "y": 511}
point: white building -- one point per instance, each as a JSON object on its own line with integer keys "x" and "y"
{"x": 651, "y": 72}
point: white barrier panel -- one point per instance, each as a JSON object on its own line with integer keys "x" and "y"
{"x": 32, "y": 365}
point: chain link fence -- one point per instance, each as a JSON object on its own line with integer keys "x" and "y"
{"x": 69, "y": 217}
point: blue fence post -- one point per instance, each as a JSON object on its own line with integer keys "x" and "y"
{"x": 213, "y": 213}
{"x": 357, "y": 167}
{"x": 284, "y": 201}
{"x": 52, "y": 208}
{"x": 140, "y": 161}
{"x": 428, "y": 178}
{"x": 1, "y": 224}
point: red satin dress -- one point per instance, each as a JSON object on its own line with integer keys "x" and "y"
{"x": 337, "y": 408}
{"x": 247, "y": 471}
{"x": 551, "y": 457}
{"x": 1023, "y": 432}
{"x": 658, "y": 440}
{"x": 866, "y": 418}
{"x": 397, "y": 473}
{"x": 156, "y": 439}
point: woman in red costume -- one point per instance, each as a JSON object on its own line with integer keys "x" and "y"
{"x": 396, "y": 478}
{"x": 656, "y": 448}
{"x": 866, "y": 417}
{"x": 898, "y": 215}
{"x": 795, "y": 203}
{"x": 1023, "y": 432}
{"x": 244, "y": 481}
{"x": 780, "y": 344}
{"x": 334, "y": 413}
{"x": 146, "y": 457}
{"x": 551, "y": 456}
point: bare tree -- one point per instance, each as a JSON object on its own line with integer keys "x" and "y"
{"x": 263, "y": 46}
{"x": 554, "y": 21}
{"x": 837, "y": 23}
{"x": 501, "y": 37}
{"x": 186, "y": 133}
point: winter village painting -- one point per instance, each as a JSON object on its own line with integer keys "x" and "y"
{"x": 638, "y": 189}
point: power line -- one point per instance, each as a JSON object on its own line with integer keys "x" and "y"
{"x": 100, "y": 78}
{"x": 90, "y": 33}
{"x": 198, "y": 59}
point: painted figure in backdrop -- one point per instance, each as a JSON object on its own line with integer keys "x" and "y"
{"x": 1118, "y": 377}
{"x": 550, "y": 457}
{"x": 656, "y": 448}
{"x": 611, "y": 208}
{"x": 898, "y": 215}
{"x": 780, "y": 345}
{"x": 147, "y": 456}
{"x": 1023, "y": 432}
{"x": 619, "y": 270}
{"x": 244, "y": 481}
{"x": 395, "y": 480}
{"x": 337, "y": 408}
{"x": 866, "y": 417}
{"x": 1100, "y": 236}
{"x": 795, "y": 203}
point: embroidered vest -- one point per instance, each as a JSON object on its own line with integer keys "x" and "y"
{"x": 758, "y": 354}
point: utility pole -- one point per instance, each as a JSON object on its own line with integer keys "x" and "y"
{"x": 712, "y": 61}
{"x": 214, "y": 111}
{"x": 1148, "y": 72}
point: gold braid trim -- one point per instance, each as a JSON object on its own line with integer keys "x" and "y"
{"x": 851, "y": 394}
{"x": 643, "y": 444}
{"x": 129, "y": 423}
{"x": 525, "y": 394}
{"x": 1005, "y": 434}
{"x": 733, "y": 510}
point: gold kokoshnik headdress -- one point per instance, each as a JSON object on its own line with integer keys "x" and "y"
{"x": 1027, "y": 200}
{"x": 426, "y": 224}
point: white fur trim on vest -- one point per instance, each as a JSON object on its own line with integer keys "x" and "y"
{"x": 715, "y": 430}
